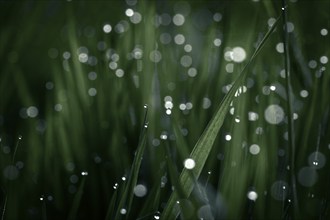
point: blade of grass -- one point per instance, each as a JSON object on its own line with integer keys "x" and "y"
{"x": 289, "y": 109}
{"x": 111, "y": 206}
{"x": 205, "y": 142}
{"x": 76, "y": 201}
{"x": 127, "y": 197}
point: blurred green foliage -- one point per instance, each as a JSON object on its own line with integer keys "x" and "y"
{"x": 74, "y": 89}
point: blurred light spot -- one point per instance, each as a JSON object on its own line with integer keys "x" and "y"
{"x": 217, "y": 17}
{"x": 10, "y": 172}
{"x": 179, "y": 39}
{"x": 168, "y": 104}
{"x": 189, "y": 163}
{"x": 239, "y": 54}
{"x": 274, "y": 114}
{"x": 317, "y": 160}
{"x": 136, "y": 18}
{"x": 232, "y": 110}
{"x": 49, "y": 85}
{"x": 140, "y": 190}
{"x": 165, "y": 38}
{"x": 280, "y": 47}
{"x": 66, "y": 55}
{"x": 295, "y": 116}
{"x": 228, "y": 55}
{"x": 83, "y": 57}
{"x": 122, "y": 26}
{"x": 283, "y": 74}
{"x": 178, "y": 19}
{"x": 253, "y": 116}
{"x": 163, "y": 135}
{"x": 312, "y": 64}
{"x": 324, "y": 32}
{"x": 70, "y": 166}
{"x": 6, "y": 149}
{"x": 168, "y": 111}
{"x": 189, "y": 105}
{"x": 19, "y": 165}
{"x": 186, "y": 60}
{"x": 289, "y": 27}
{"x": 129, "y": 12}
{"x": 304, "y": 93}
{"x": 113, "y": 65}
{"x": 101, "y": 45}
{"x": 271, "y": 22}
{"x": 206, "y": 103}
{"x": 165, "y": 19}
{"x": 324, "y": 59}
{"x": 252, "y": 195}
{"x": 123, "y": 211}
{"x": 192, "y": 72}
{"x": 279, "y": 190}
{"x": 254, "y": 149}
{"x": 84, "y": 173}
{"x": 119, "y": 73}
{"x": 137, "y": 53}
{"x": 32, "y": 111}
{"x": 307, "y": 176}
{"x": 227, "y": 137}
{"x": 92, "y": 75}
{"x": 168, "y": 99}
{"x": 58, "y": 107}
{"x": 92, "y": 60}
{"x": 182, "y": 106}
{"x": 188, "y": 48}
{"x": 92, "y": 92}
{"x": 230, "y": 68}
{"x": 237, "y": 119}
{"x": 74, "y": 179}
{"x": 155, "y": 142}
{"x": 217, "y": 42}
{"x": 155, "y": 56}
{"x": 272, "y": 88}
{"x": 97, "y": 159}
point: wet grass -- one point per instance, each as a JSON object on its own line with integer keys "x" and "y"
{"x": 254, "y": 122}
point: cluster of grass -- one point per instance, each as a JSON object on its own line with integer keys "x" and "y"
{"x": 101, "y": 107}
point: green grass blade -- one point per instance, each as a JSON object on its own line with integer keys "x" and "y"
{"x": 76, "y": 201}
{"x": 204, "y": 144}
{"x": 289, "y": 102}
{"x": 128, "y": 194}
{"x": 111, "y": 206}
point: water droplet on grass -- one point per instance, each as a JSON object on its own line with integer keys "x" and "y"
{"x": 317, "y": 160}
{"x": 123, "y": 211}
{"x": 252, "y": 195}
{"x": 189, "y": 163}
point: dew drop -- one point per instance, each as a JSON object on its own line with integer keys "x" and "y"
{"x": 123, "y": 211}
{"x": 189, "y": 163}
{"x": 84, "y": 173}
{"x": 252, "y": 195}
{"x": 20, "y": 137}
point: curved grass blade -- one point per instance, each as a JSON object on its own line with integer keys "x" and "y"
{"x": 204, "y": 144}
{"x": 289, "y": 102}
{"x": 76, "y": 201}
{"x": 127, "y": 196}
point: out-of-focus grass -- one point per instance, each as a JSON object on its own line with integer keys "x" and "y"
{"x": 74, "y": 121}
